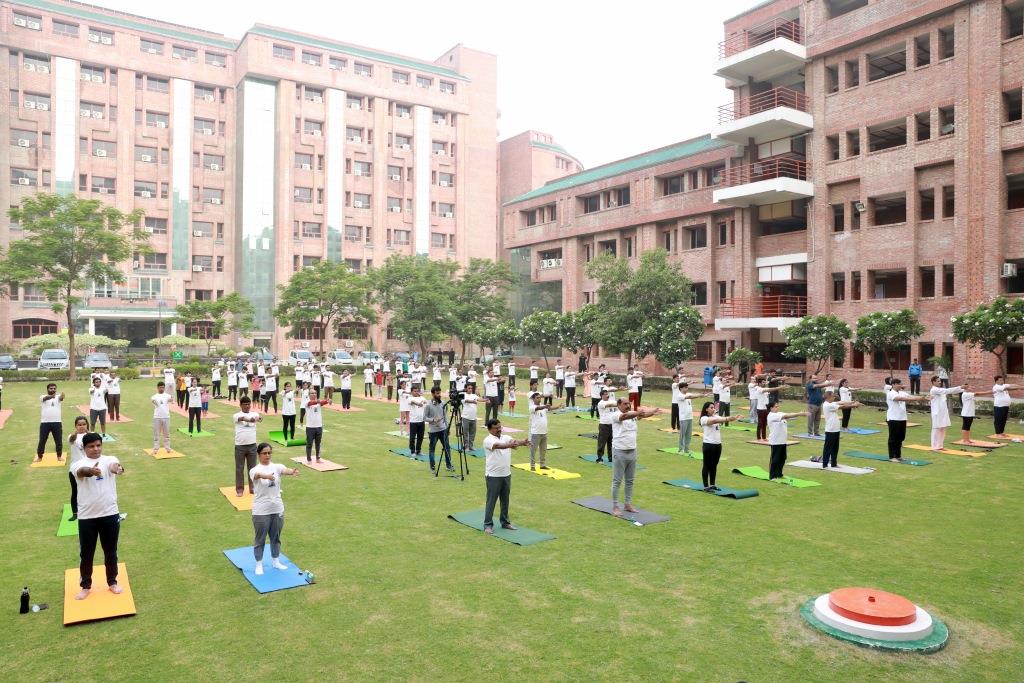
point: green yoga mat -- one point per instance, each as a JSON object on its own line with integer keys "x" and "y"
{"x": 406, "y": 453}
{"x": 476, "y": 452}
{"x": 738, "y": 428}
{"x": 67, "y": 528}
{"x": 606, "y": 463}
{"x": 675, "y": 451}
{"x": 762, "y": 474}
{"x": 723, "y": 492}
{"x": 586, "y": 417}
{"x": 277, "y": 436}
{"x": 397, "y": 433}
{"x": 885, "y": 458}
{"x": 184, "y": 430}
{"x": 521, "y": 536}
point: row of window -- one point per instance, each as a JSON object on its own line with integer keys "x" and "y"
{"x": 932, "y": 281}
{"x": 357, "y": 135}
{"x": 892, "y": 134}
{"x": 311, "y": 58}
{"x": 891, "y": 60}
{"x": 365, "y": 102}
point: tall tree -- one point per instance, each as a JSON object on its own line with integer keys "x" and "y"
{"x": 541, "y": 329}
{"x": 328, "y": 295}
{"x": 416, "y": 293}
{"x": 992, "y": 327}
{"x": 887, "y": 332}
{"x": 231, "y": 313}
{"x": 483, "y": 335}
{"x": 578, "y": 330}
{"x": 820, "y": 338}
{"x": 68, "y": 243}
{"x": 671, "y": 337}
{"x": 630, "y": 298}
{"x": 506, "y": 334}
{"x": 741, "y": 356}
{"x": 479, "y": 295}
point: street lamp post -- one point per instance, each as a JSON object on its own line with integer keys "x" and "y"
{"x": 160, "y": 306}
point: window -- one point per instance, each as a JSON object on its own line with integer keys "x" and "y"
{"x": 947, "y": 120}
{"x": 403, "y": 111}
{"x": 213, "y": 162}
{"x": 838, "y": 286}
{"x": 1012, "y": 105}
{"x": 899, "y": 359}
{"x": 201, "y": 229}
{"x": 838, "y": 218}
{"x": 400, "y": 77}
{"x": 697, "y": 237}
{"x": 628, "y": 243}
{"x": 438, "y": 240}
{"x": 354, "y": 102}
{"x": 926, "y": 204}
{"x": 32, "y": 327}
{"x": 336, "y": 63}
{"x": 448, "y": 180}
{"x": 312, "y": 230}
{"x": 947, "y": 42}
{"x": 853, "y": 143}
{"x": 831, "y": 79}
{"x": 855, "y": 285}
{"x": 215, "y": 59}
{"x": 204, "y": 262}
{"x": 361, "y": 69}
{"x": 948, "y": 201}
{"x": 713, "y": 175}
{"x": 204, "y": 126}
{"x": 837, "y": 8}
{"x": 61, "y": 28}
{"x": 96, "y": 74}
{"x": 923, "y": 125}
{"x": 672, "y": 185}
{"x": 699, "y": 294}
{"x": 211, "y": 195}
{"x": 591, "y": 203}
{"x": 927, "y": 281}
{"x": 723, "y": 234}
{"x": 890, "y": 209}
{"x": 446, "y": 87}
{"x": 303, "y": 195}
{"x": 424, "y": 82}
{"x": 621, "y": 196}
{"x": 362, "y": 168}
{"x": 588, "y": 253}
{"x": 440, "y": 118}
{"x": 151, "y": 261}
{"x": 1015, "y": 191}
{"x": 1013, "y": 19}
{"x": 23, "y": 138}
{"x": 948, "y": 280}
{"x": 395, "y": 204}
{"x": 39, "y": 102}
{"x": 353, "y": 233}
{"x": 145, "y": 155}
{"x": 153, "y": 47}
{"x": 312, "y": 58}
{"x": 41, "y": 64}
{"x": 284, "y": 52}
{"x": 361, "y": 201}
{"x": 189, "y": 54}
{"x": 314, "y": 128}
{"x": 922, "y": 50}
{"x": 24, "y": 176}
{"x": 104, "y": 148}
{"x": 888, "y": 284}
{"x": 446, "y": 210}
{"x": 668, "y": 240}
{"x": 608, "y": 247}
{"x": 353, "y": 134}
{"x": 852, "y": 73}
{"x": 887, "y": 135}
{"x": 144, "y": 189}
{"x": 29, "y": 21}
{"x": 723, "y": 292}
{"x": 97, "y": 35}
{"x": 702, "y": 351}
{"x": 887, "y": 62}
{"x": 402, "y": 236}
{"x": 90, "y": 110}
{"x": 303, "y": 161}
{"x": 156, "y": 119}
{"x": 403, "y": 141}
{"x": 832, "y": 145}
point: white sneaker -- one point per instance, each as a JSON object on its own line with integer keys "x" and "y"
{"x": 259, "y": 568}
{"x": 276, "y": 563}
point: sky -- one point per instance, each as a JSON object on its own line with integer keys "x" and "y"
{"x": 606, "y": 80}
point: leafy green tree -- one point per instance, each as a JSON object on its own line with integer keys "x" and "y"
{"x": 479, "y": 296}
{"x": 820, "y": 338}
{"x": 68, "y": 243}
{"x": 506, "y": 334}
{"x": 329, "y": 295}
{"x": 231, "y": 313}
{"x": 541, "y": 329}
{"x": 416, "y": 294}
{"x": 671, "y": 337}
{"x": 742, "y": 356}
{"x": 887, "y": 332}
{"x": 481, "y": 334}
{"x": 578, "y": 330}
{"x": 991, "y": 327}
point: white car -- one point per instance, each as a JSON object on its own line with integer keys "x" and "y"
{"x": 53, "y": 359}
{"x": 367, "y": 358}
{"x": 299, "y": 356}
{"x": 339, "y": 357}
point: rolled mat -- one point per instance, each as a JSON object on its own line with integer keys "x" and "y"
{"x": 674, "y": 450}
{"x": 947, "y": 451}
{"x": 163, "y": 453}
{"x": 67, "y": 528}
{"x": 197, "y": 435}
{"x": 588, "y": 436}
{"x": 840, "y": 468}
{"x": 885, "y": 458}
{"x": 737, "y": 494}
{"x": 101, "y": 603}
{"x": 640, "y": 518}
{"x": 521, "y": 536}
{"x": 862, "y": 431}
{"x": 49, "y": 460}
{"x": 980, "y": 444}
{"x": 320, "y": 466}
{"x": 240, "y": 503}
{"x": 551, "y": 472}
{"x": 406, "y": 453}
{"x": 272, "y": 579}
{"x": 277, "y": 436}
{"x": 607, "y": 463}
{"x": 756, "y": 472}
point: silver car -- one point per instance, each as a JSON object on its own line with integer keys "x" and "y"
{"x": 95, "y": 361}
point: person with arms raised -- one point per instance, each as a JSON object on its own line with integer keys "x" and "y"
{"x": 268, "y": 507}
{"x": 98, "y": 515}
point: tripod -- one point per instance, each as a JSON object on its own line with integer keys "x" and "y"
{"x": 455, "y": 419}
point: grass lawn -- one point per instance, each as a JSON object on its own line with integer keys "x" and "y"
{"x": 403, "y": 593}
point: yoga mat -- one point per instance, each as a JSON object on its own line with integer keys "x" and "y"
{"x": 738, "y": 428}
{"x": 66, "y": 528}
{"x": 947, "y": 451}
{"x": 666, "y": 429}
{"x": 909, "y": 424}
{"x": 5, "y": 414}
{"x": 337, "y": 408}
{"x": 197, "y": 435}
{"x": 513, "y": 415}
{"x": 980, "y": 444}
{"x": 588, "y": 436}
{"x": 521, "y": 536}
{"x": 809, "y": 436}
{"x": 756, "y": 472}
{"x": 862, "y": 431}
{"x": 210, "y": 415}
{"x": 49, "y": 460}
{"x": 323, "y": 466}
{"x": 277, "y": 436}
{"x": 101, "y": 603}
{"x": 586, "y": 417}
{"x": 652, "y": 418}
{"x": 840, "y": 468}
{"x": 885, "y": 458}
{"x": 674, "y": 450}
{"x": 406, "y": 453}
{"x": 163, "y": 453}
{"x": 477, "y": 452}
{"x": 397, "y": 433}
{"x": 737, "y": 494}
{"x": 572, "y": 409}
{"x": 242, "y": 503}
{"x": 1013, "y": 438}
{"x": 84, "y": 409}
{"x": 272, "y": 579}
{"x": 593, "y": 458}
{"x": 108, "y": 438}
{"x": 551, "y": 472}
{"x": 764, "y": 442}
{"x": 640, "y": 518}
{"x": 510, "y": 430}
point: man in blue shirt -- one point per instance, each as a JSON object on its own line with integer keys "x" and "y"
{"x": 914, "y": 373}
{"x": 815, "y": 398}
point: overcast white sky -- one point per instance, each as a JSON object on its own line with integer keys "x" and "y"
{"x": 607, "y": 80}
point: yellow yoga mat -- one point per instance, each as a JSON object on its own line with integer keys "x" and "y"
{"x": 163, "y": 453}
{"x": 551, "y": 472}
{"x": 101, "y": 603}
{"x": 49, "y": 460}
{"x": 947, "y": 451}
{"x": 240, "y": 503}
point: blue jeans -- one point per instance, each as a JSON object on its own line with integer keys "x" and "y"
{"x": 443, "y": 438}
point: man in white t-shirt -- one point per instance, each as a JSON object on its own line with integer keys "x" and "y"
{"x": 469, "y": 413}
{"x": 778, "y": 436}
{"x": 559, "y": 379}
{"x": 314, "y": 425}
{"x": 98, "y": 515}
{"x": 1000, "y": 404}
{"x": 417, "y": 409}
{"x": 435, "y": 376}
{"x": 169, "y": 375}
{"x": 97, "y": 405}
{"x": 633, "y": 384}
{"x": 539, "y": 430}
{"x": 548, "y": 389}
{"x": 453, "y": 374}
{"x": 607, "y": 406}
{"x": 161, "y": 401}
{"x": 215, "y": 381}
{"x": 232, "y": 385}
{"x": 328, "y": 376}
{"x": 570, "y": 387}
{"x": 493, "y": 408}
{"x": 367, "y": 382}
{"x": 624, "y": 430}
{"x": 511, "y": 374}
{"x": 113, "y": 397}
{"x": 50, "y": 421}
{"x": 896, "y": 416}
{"x": 498, "y": 474}
{"x": 534, "y": 370}
{"x": 245, "y": 443}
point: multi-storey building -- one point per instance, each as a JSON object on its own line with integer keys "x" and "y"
{"x": 870, "y": 160}
{"x": 251, "y": 158}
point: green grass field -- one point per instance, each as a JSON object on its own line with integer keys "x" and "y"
{"x": 403, "y": 593}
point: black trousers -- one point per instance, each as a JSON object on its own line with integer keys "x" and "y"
{"x": 302, "y": 415}
{"x": 830, "y": 451}
{"x": 762, "y": 424}
{"x": 570, "y": 396}
{"x": 675, "y": 415}
{"x": 512, "y": 381}
{"x": 367, "y": 389}
{"x": 723, "y": 409}
{"x": 269, "y": 396}
{"x": 999, "y": 415}
{"x": 604, "y": 440}
{"x": 847, "y": 412}
{"x": 897, "y": 434}
{"x": 493, "y": 407}
{"x": 915, "y": 385}
{"x": 182, "y": 394}
{"x": 195, "y": 414}
{"x": 640, "y": 394}
{"x": 593, "y": 406}
{"x": 498, "y": 489}
{"x": 712, "y": 454}
{"x": 74, "y": 493}
{"x": 216, "y": 389}
{"x": 107, "y": 530}
{"x": 965, "y": 423}
{"x": 778, "y": 460}
{"x": 560, "y": 387}
{"x": 288, "y": 426}
{"x": 47, "y": 428}
{"x": 346, "y": 398}
{"x": 549, "y": 400}
{"x": 416, "y": 437}
{"x": 232, "y": 392}
{"x": 314, "y": 435}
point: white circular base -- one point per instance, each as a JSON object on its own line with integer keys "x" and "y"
{"x": 920, "y": 628}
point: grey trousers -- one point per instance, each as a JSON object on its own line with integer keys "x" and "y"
{"x": 539, "y": 442}
{"x": 161, "y": 432}
{"x": 245, "y": 460}
{"x": 469, "y": 433}
{"x": 267, "y": 525}
{"x": 623, "y": 468}
{"x": 813, "y": 418}
{"x": 685, "y": 435}
{"x": 498, "y": 489}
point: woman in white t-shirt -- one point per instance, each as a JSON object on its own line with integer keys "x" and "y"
{"x": 288, "y": 412}
{"x": 711, "y": 425}
{"x": 940, "y": 412}
{"x": 76, "y": 454}
{"x": 1001, "y": 405}
{"x": 967, "y": 408}
{"x": 778, "y": 437}
{"x": 267, "y": 506}
{"x": 195, "y": 406}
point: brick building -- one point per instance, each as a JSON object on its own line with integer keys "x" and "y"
{"x": 251, "y": 158}
{"x": 871, "y": 159}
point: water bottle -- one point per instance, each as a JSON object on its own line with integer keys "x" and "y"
{"x": 24, "y": 601}
{"x": 309, "y": 576}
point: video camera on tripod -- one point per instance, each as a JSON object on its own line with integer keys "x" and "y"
{"x": 453, "y": 415}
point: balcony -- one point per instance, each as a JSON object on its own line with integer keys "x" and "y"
{"x": 760, "y": 312}
{"x": 772, "y": 115}
{"x": 770, "y": 181}
{"x": 762, "y": 52}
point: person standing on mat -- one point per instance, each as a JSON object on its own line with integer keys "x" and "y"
{"x": 288, "y": 412}
{"x": 182, "y": 390}
{"x": 270, "y": 393}
{"x": 764, "y": 395}
{"x": 752, "y": 397}
{"x": 434, "y": 416}
{"x": 469, "y": 413}
{"x": 511, "y": 373}
{"x": 607, "y": 407}
{"x": 314, "y": 425}
{"x": 686, "y": 416}
{"x": 896, "y": 417}
{"x": 256, "y": 386}
{"x": 778, "y": 436}
{"x": 725, "y": 394}
{"x": 940, "y": 412}
{"x": 328, "y": 378}
{"x": 548, "y": 390}
{"x": 417, "y": 408}
{"x": 76, "y": 453}
{"x": 595, "y": 393}
{"x": 570, "y": 387}
{"x": 559, "y": 379}
{"x": 624, "y": 429}
{"x": 245, "y": 443}
{"x": 345, "y": 380}
{"x": 98, "y": 516}
{"x": 711, "y": 426}
{"x": 1000, "y": 405}
{"x": 830, "y": 408}
{"x": 814, "y": 400}
{"x": 914, "y": 375}
{"x": 367, "y": 382}
{"x": 846, "y": 396}
{"x": 161, "y": 401}
{"x": 114, "y": 397}
{"x": 267, "y": 506}
{"x": 98, "y": 405}
{"x": 493, "y": 408}
{"x": 498, "y": 474}
{"x": 676, "y": 397}
{"x": 195, "y": 406}
{"x": 243, "y": 384}
{"x": 215, "y": 381}
{"x": 539, "y": 430}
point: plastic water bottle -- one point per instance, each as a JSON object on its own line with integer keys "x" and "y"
{"x": 309, "y": 576}
{"x": 24, "y": 601}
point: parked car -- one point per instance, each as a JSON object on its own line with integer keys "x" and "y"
{"x": 367, "y": 358}
{"x": 7, "y": 363}
{"x": 94, "y": 361}
{"x": 298, "y": 355}
{"x": 262, "y": 356}
{"x": 340, "y": 357}
{"x": 53, "y": 359}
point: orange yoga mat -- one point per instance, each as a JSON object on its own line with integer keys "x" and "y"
{"x": 980, "y": 444}
{"x": 163, "y": 453}
{"x": 242, "y": 503}
{"x": 5, "y": 414}
{"x": 101, "y": 603}
{"x": 337, "y": 407}
{"x": 49, "y": 460}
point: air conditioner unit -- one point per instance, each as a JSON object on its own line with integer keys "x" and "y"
{"x": 29, "y": 66}
{"x": 333, "y": 67}
{"x": 145, "y": 194}
{"x": 85, "y": 113}
{"x": 96, "y": 78}
{"x": 443, "y": 183}
{"x": 34, "y": 25}
{"x": 151, "y": 50}
{"x": 214, "y": 167}
{"x": 43, "y": 106}
{"x": 197, "y": 269}
{"x": 93, "y": 38}
{"x": 557, "y": 262}
{"x": 216, "y": 63}
{"x": 149, "y": 229}
{"x": 100, "y": 152}
{"x": 357, "y": 204}
{"x": 138, "y": 264}
{"x": 161, "y": 124}
{"x": 97, "y": 115}
{"x": 215, "y": 200}
{"x": 396, "y": 177}
{"x": 24, "y": 181}
{"x": 318, "y": 98}
{"x": 103, "y": 190}
{"x": 440, "y": 152}
{"x": 147, "y": 158}
{"x": 306, "y": 167}
{"x": 310, "y": 62}
{"x": 448, "y": 214}
{"x": 396, "y": 209}
{"x": 305, "y": 345}
{"x": 208, "y": 98}
{"x": 207, "y": 131}
{"x": 357, "y": 171}
{"x": 316, "y": 133}
{"x": 106, "y": 40}
{"x": 29, "y": 104}
{"x": 197, "y": 233}
{"x": 43, "y": 69}
{"x": 86, "y": 77}
{"x": 348, "y": 344}
{"x": 18, "y": 21}
{"x": 24, "y": 143}
{"x": 404, "y": 114}
{"x": 355, "y": 138}
{"x": 405, "y": 145}
{"x": 1009, "y": 270}
{"x": 354, "y": 105}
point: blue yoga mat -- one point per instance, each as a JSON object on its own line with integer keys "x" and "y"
{"x": 272, "y": 579}
{"x": 862, "y": 431}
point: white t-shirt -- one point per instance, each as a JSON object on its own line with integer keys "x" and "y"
{"x": 511, "y": 369}
{"x": 436, "y": 374}
{"x": 367, "y": 375}
{"x": 606, "y": 410}
{"x": 491, "y": 388}
{"x": 50, "y": 411}
{"x": 716, "y": 384}
{"x": 243, "y": 381}
{"x": 538, "y": 419}
{"x": 633, "y": 381}
{"x": 195, "y": 397}
{"x": 762, "y": 398}
{"x": 97, "y": 496}
{"x": 725, "y": 394}
{"x": 496, "y": 366}
{"x": 97, "y": 398}
{"x": 897, "y": 410}
{"x": 967, "y": 407}
{"x": 232, "y": 378}
{"x": 712, "y": 432}
{"x": 77, "y": 452}
{"x": 497, "y": 461}
{"x": 685, "y": 407}
{"x": 403, "y": 400}
{"x": 533, "y": 371}
{"x": 778, "y": 430}
{"x": 1000, "y": 396}
{"x": 215, "y": 375}
{"x": 245, "y": 431}
{"x": 460, "y": 382}
{"x": 623, "y": 432}
{"x": 288, "y": 403}
{"x": 676, "y": 393}
{"x": 570, "y": 379}
{"x": 328, "y": 378}
{"x": 549, "y": 387}
{"x": 831, "y": 413}
{"x": 114, "y": 386}
{"x": 845, "y": 395}
{"x": 346, "y": 381}
{"x": 271, "y": 384}
{"x": 314, "y": 416}
{"x": 416, "y": 407}
{"x": 752, "y": 390}
{"x": 596, "y": 386}
{"x": 316, "y": 378}
{"x": 452, "y": 374}
{"x": 387, "y": 366}
{"x": 261, "y": 371}
{"x": 469, "y": 402}
{"x": 559, "y": 372}
{"x": 160, "y": 405}
{"x": 169, "y": 378}
{"x": 275, "y": 370}
{"x": 266, "y": 496}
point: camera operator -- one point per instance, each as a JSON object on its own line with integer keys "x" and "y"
{"x": 434, "y": 416}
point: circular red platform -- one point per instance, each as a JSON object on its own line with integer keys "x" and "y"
{"x": 871, "y": 606}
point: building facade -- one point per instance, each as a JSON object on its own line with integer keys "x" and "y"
{"x": 871, "y": 159}
{"x": 251, "y": 158}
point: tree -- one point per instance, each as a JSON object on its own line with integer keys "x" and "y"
{"x": 741, "y": 356}
{"x": 887, "y": 332}
{"x": 329, "y": 295}
{"x": 540, "y": 329}
{"x": 991, "y": 327}
{"x": 416, "y": 293}
{"x": 479, "y": 296}
{"x": 630, "y": 298}
{"x": 481, "y": 334}
{"x": 211, "y": 320}
{"x": 578, "y": 330}
{"x": 83, "y": 342}
{"x": 671, "y": 337}
{"x": 820, "y": 338}
{"x": 173, "y": 340}
{"x": 506, "y": 334}
{"x": 69, "y": 243}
